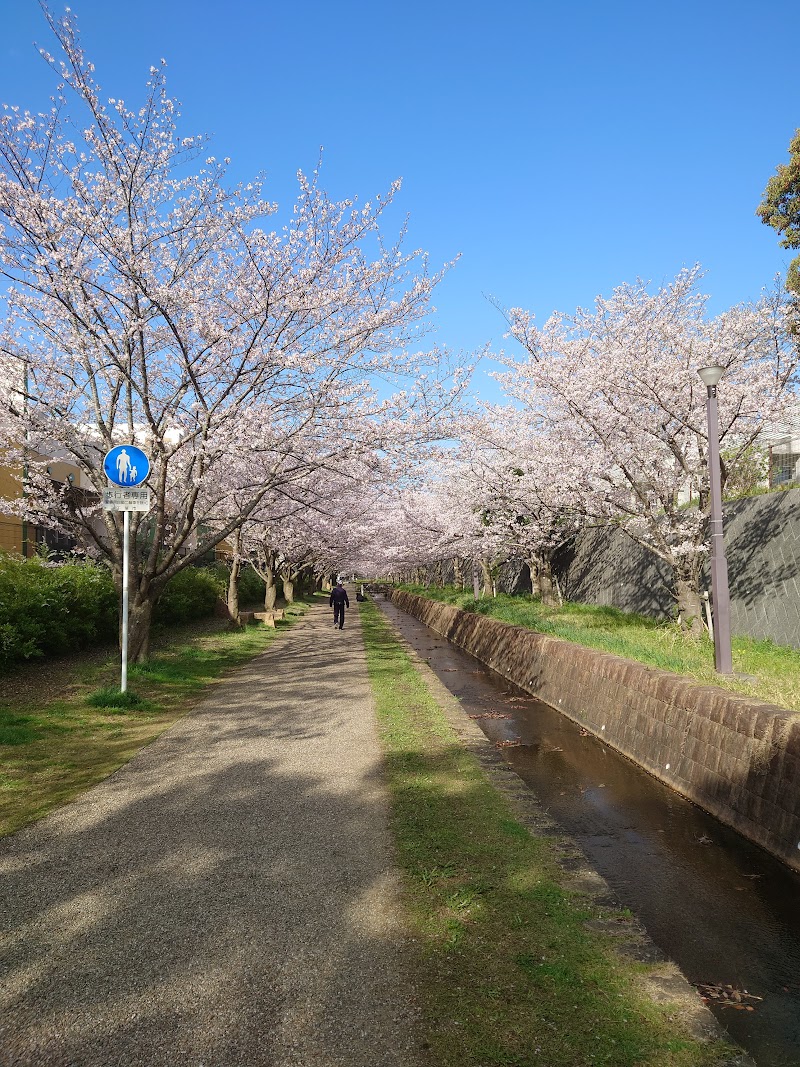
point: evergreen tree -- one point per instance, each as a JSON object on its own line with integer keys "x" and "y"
{"x": 780, "y": 208}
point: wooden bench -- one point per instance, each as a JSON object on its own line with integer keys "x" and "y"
{"x": 268, "y": 618}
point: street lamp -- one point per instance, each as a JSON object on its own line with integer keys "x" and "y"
{"x": 719, "y": 565}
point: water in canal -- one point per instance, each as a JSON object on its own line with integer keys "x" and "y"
{"x": 723, "y": 909}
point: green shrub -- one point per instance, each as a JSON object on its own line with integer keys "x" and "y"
{"x": 49, "y": 609}
{"x": 478, "y": 607}
{"x": 15, "y": 645}
{"x": 89, "y": 603}
{"x": 251, "y": 587}
{"x": 191, "y": 594}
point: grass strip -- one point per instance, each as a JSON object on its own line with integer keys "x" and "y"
{"x": 656, "y": 642}
{"x": 53, "y": 750}
{"x": 111, "y": 697}
{"x": 509, "y": 972}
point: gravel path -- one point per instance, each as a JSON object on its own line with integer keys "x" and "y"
{"x": 229, "y": 897}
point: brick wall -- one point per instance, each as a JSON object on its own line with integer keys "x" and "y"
{"x": 736, "y": 757}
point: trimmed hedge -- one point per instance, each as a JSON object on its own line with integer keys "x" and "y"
{"x": 48, "y": 610}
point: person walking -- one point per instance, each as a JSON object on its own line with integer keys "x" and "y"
{"x": 340, "y": 602}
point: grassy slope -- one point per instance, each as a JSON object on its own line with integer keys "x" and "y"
{"x": 53, "y": 749}
{"x": 509, "y": 972}
{"x": 776, "y": 668}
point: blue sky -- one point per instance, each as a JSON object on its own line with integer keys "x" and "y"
{"x": 560, "y": 148}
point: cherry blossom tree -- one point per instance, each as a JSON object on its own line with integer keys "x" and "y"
{"x": 318, "y": 523}
{"x": 615, "y": 391}
{"x": 521, "y": 492}
{"x": 283, "y": 535}
{"x": 147, "y": 302}
{"x": 425, "y": 523}
{"x": 409, "y": 528}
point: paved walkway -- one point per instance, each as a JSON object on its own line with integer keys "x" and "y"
{"x": 227, "y": 898}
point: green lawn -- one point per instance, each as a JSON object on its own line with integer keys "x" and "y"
{"x": 508, "y": 971}
{"x": 776, "y": 668}
{"x": 53, "y": 748}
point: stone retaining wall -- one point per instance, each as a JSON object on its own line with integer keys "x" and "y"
{"x": 762, "y": 541}
{"x": 736, "y": 757}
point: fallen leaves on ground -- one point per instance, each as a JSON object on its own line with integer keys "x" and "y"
{"x": 726, "y": 996}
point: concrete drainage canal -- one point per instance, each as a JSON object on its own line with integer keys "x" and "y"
{"x": 725, "y": 911}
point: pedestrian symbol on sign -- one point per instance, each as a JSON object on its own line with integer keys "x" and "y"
{"x": 126, "y": 465}
{"x": 123, "y": 465}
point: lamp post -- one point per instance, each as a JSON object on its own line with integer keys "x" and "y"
{"x": 719, "y": 565}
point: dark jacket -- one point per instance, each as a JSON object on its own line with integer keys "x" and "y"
{"x": 339, "y": 596}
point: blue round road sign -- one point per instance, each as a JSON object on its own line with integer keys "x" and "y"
{"x": 126, "y": 465}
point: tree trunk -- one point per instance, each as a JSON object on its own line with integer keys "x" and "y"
{"x": 533, "y": 570}
{"x": 458, "y": 573}
{"x": 233, "y": 578}
{"x": 487, "y": 577}
{"x": 288, "y": 590}
{"x": 545, "y": 581}
{"x": 690, "y": 609}
{"x": 267, "y": 573}
{"x": 140, "y": 616}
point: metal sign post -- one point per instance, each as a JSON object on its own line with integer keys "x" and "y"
{"x": 126, "y": 560}
{"x": 126, "y": 468}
